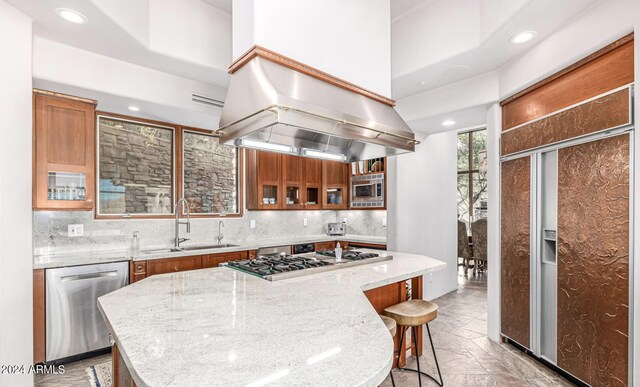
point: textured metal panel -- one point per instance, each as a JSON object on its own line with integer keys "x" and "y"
{"x": 602, "y": 113}
{"x": 593, "y": 260}
{"x": 515, "y": 249}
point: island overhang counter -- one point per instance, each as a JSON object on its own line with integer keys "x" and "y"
{"x": 224, "y": 327}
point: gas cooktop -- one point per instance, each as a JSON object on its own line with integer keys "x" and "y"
{"x": 350, "y": 255}
{"x": 274, "y": 268}
{"x": 266, "y": 266}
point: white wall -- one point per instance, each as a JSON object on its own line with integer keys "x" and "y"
{"x": 117, "y": 84}
{"x": 190, "y": 30}
{"x": 494, "y": 128}
{"x": 350, "y": 39}
{"x": 422, "y": 207}
{"x": 16, "y": 260}
{"x": 596, "y": 27}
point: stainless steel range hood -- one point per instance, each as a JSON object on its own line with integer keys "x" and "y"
{"x": 273, "y": 107}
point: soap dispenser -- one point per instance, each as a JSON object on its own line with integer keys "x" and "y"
{"x": 135, "y": 244}
{"x": 338, "y": 251}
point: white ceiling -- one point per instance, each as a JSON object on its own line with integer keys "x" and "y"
{"x": 444, "y": 41}
{"x": 127, "y": 39}
{"x": 434, "y": 42}
{"x": 223, "y": 5}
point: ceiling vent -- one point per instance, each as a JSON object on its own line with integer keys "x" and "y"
{"x": 207, "y": 100}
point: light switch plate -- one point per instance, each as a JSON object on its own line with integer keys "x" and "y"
{"x": 75, "y": 230}
{"x": 252, "y": 224}
{"x": 304, "y": 222}
{"x": 384, "y": 222}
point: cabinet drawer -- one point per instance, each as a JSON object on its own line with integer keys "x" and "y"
{"x": 171, "y": 265}
{"x": 214, "y": 260}
{"x": 325, "y": 245}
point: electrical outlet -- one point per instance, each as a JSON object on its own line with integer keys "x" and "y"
{"x": 344, "y": 220}
{"x": 384, "y": 222}
{"x": 252, "y": 224}
{"x": 75, "y": 230}
{"x": 304, "y": 222}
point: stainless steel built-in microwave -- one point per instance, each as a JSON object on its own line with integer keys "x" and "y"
{"x": 367, "y": 191}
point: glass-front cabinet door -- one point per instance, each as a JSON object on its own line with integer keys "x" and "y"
{"x": 335, "y": 180}
{"x": 66, "y": 186}
{"x": 293, "y": 181}
{"x": 269, "y": 168}
{"x": 64, "y": 175}
{"x": 312, "y": 184}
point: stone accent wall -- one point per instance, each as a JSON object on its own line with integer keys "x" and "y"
{"x": 136, "y": 164}
{"x": 210, "y": 175}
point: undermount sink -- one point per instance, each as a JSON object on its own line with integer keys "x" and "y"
{"x": 187, "y": 248}
{"x": 223, "y": 245}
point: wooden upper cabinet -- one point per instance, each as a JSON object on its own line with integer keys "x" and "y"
{"x": 286, "y": 182}
{"x": 293, "y": 182}
{"x": 64, "y": 153}
{"x": 335, "y": 184}
{"x": 312, "y": 189}
{"x": 264, "y": 180}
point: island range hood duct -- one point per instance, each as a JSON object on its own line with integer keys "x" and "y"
{"x": 277, "y": 108}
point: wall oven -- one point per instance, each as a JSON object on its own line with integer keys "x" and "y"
{"x": 367, "y": 191}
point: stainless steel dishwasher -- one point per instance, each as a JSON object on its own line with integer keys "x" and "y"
{"x": 74, "y": 323}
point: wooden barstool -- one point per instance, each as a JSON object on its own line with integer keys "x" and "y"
{"x": 414, "y": 313}
{"x": 391, "y": 326}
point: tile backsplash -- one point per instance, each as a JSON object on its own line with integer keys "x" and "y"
{"x": 50, "y": 228}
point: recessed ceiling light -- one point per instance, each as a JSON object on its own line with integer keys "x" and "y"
{"x": 448, "y": 123}
{"x": 422, "y": 83}
{"x": 134, "y": 108}
{"x": 71, "y": 15}
{"x": 523, "y": 37}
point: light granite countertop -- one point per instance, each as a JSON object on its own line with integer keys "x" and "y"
{"x": 220, "y": 326}
{"x": 89, "y": 257}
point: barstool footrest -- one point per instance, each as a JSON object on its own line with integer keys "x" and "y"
{"x": 439, "y": 383}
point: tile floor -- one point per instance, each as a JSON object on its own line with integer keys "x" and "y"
{"x": 465, "y": 354}
{"x": 467, "y": 357}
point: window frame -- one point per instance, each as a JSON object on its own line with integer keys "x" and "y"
{"x": 469, "y": 171}
{"x": 239, "y": 176}
{"x": 177, "y": 177}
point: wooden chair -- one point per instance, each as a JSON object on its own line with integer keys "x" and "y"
{"x": 479, "y": 232}
{"x": 463, "y": 245}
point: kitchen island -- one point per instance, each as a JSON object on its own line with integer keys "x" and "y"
{"x": 223, "y": 327}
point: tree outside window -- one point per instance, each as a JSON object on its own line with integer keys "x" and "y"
{"x": 472, "y": 182}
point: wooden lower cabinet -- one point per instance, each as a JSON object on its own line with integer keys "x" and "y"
{"x": 395, "y": 293}
{"x": 144, "y": 269}
{"x": 39, "y": 319}
{"x": 214, "y": 260}
{"x": 172, "y": 265}
{"x": 362, "y": 245}
{"x": 325, "y": 245}
{"x": 137, "y": 271}
{"x": 121, "y": 375}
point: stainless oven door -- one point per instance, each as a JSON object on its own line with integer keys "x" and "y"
{"x": 364, "y": 190}
{"x": 74, "y": 323}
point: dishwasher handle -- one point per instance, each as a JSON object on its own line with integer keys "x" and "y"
{"x": 77, "y": 277}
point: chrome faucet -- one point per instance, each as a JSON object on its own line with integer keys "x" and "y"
{"x": 181, "y": 203}
{"x": 220, "y": 236}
